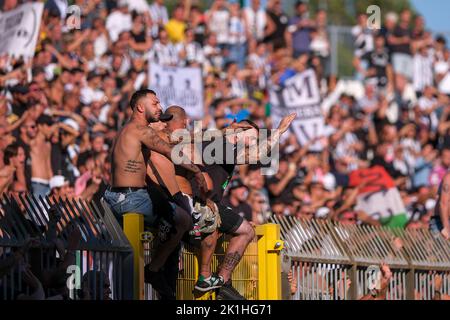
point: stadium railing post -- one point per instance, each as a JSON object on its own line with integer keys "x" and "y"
{"x": 133, "y": 227}
{"x": 269, "y": 261}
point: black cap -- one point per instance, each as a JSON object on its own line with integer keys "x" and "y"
{"x": 165, "y": 117}
{"x": 237, "y": 183}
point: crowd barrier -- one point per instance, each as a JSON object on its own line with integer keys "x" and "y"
{"x": 328, "y": 260}
{"x": 103, "y": 254}
{"x": 333, "y": 261}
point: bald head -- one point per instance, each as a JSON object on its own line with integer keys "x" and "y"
{"x": 177, "y": 112}
{"x": 179, "y": 120}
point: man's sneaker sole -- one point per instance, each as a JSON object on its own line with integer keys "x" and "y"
{"x": 207, "y": 289}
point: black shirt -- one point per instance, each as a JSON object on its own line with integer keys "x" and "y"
{"x": 281, "y": 21}
{"x": 402, "y": 48}
{"x": 139, "y": 37}
{"x": 199, "y": 33}
{"x": 222, "y": 172}
{"x": 378, "y": 61}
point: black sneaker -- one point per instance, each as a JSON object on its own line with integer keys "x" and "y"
{"x": 227, "y": 292}
{"x": 207, "y": 284}
{"x": 158, "y": 283}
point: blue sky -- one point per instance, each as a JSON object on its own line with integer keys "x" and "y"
{"x": 436, "y": 13}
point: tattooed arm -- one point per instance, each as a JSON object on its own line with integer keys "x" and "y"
{"x": 445, "y": 206}
{"x": 153, "y": 141}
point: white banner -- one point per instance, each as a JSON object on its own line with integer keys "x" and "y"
{"x": 178, "y": 86}
{"x": 299, "y": 94}
{"x": 19, "y": 29}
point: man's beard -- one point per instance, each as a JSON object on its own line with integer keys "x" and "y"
{"x": 151, "y": 118}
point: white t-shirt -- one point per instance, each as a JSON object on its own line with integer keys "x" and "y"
{"x": 139, "y": 6}
{"x": 237, "y": 31}
{"x": 256, "y": 22}
{"x": 363, "y": 40}
{"x": 158, "y": 13}
{"x": 88, "y": 95}
{"x": 116, "y": 23}
{"x": 194, "y": 52}
{"x": 444, "y": 85}
{"x": 163, "y": 54}
{"x": 219, "y": 24}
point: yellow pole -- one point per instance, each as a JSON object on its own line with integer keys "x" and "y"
{"x": 133, "y": 227}
{"x": 269, "y": 261}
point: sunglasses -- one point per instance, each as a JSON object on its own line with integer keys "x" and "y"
{"x": 31, "y": 127}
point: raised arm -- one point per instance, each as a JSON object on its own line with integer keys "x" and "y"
{"x": 153, "y": 141}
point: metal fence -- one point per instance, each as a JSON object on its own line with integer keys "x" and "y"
{"x": 244, "y": 277}
{"x": 102, "y": 260}
{"x": 332, "y": 261}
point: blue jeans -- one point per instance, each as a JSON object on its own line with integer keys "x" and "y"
{"x": 40, "y": 189}
{"x": 436, "y": 225}
{"x": 131, "y": 202}
{"x": 403, "y": 64}
{"x": 237, "y": 54}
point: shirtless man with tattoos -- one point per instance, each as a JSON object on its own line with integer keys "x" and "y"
{"x": 131, "y": 151}
{"x": 217, "y": 177}
{"x": 440, "y": 222}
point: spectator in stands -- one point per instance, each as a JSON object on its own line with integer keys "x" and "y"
{"x": 237, "y": 199}
{"x": 298, "y": 33}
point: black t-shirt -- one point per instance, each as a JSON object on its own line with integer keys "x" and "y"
{"x": 199, "y": 33}
{"x": 243, "y": 209}
{"x": 139, "y": 37}
{"x": 378, "y": 61}
{"x": 402, "y": 48}
{"x": 220, "y": 173}
{"x": 281, "y": 21}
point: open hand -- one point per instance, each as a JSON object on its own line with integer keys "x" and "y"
{"x": 286, "y": 122}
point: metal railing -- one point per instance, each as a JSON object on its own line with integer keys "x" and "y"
{"x": 333, "y": 261}
{"x": 257, "y": 276}
{"x": 244, "y": 277}
{"x": 103, "y": 257}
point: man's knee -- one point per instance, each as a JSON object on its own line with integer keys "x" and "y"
{"x": 211, "y": 239}
{"x": 245, "y": 229}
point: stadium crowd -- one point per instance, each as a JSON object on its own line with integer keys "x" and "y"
{"x": 60, "y": 111}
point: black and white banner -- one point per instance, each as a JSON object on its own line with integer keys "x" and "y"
{"x": 178, "y": 86}
{"x": 299, "y": 94}
{"x": 19, "y": 30}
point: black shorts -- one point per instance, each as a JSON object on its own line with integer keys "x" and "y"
{"x": 231, "y": 221}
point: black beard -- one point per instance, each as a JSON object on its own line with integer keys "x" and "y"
{"x": 152, "y": 119}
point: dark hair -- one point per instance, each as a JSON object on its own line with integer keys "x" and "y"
{"x": 11, "y": 151}
{"x": 138, "y": 95}
{"x": 250, "y": 122}
{"x": 299, "y": 3}
{"x": 44, "y": 119}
